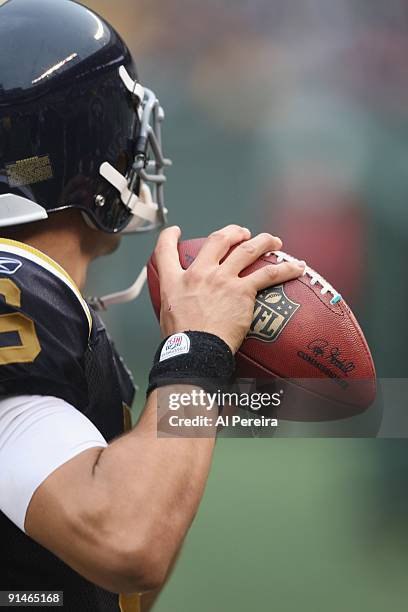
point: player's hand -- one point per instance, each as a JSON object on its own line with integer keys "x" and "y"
{"x": 210, "y": 296}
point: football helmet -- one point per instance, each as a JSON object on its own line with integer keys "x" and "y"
{"x": 77, "y": 128}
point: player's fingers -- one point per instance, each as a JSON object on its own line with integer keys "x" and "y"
{"x": 219, "y": 243}
{"x": 275, "y": 274}
{"x": 166, "y": 254}
{"x": 249, "y": 251}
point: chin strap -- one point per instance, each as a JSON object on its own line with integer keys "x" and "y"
{"x": 121, "y": 297}
{"x": 144, "y": 209}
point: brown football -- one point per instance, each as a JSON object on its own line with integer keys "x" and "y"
{"x": 304, "y": 338}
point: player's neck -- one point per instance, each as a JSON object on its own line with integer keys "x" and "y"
{"x": 66, "y": 251}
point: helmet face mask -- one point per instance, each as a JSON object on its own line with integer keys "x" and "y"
{"x": 147, "y": 167}
{"x": 80, "y": 132}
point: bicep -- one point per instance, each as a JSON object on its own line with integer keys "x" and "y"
{"x": 38, "y": 435}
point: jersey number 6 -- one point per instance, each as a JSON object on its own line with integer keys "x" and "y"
{"x": 16, "y": 322}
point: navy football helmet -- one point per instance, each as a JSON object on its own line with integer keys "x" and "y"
{"x": 77, "y": 129}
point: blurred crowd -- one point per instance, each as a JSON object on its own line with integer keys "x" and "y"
{"x": 290, "y": 117}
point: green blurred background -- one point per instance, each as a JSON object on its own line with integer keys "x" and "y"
{"x": 289, "y": 117}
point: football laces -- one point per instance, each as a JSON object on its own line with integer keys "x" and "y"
{"x": 315, "y": 277}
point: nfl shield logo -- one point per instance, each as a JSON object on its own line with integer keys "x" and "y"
{"x": 273, "y": 311}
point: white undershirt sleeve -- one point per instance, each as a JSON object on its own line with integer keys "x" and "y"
{"x": 38, "y": 434}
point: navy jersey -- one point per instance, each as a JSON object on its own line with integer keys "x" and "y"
{"x": 52, "y": 343}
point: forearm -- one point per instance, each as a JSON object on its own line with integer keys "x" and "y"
{"x": 158, "y": 482}
{"x": 124, "y": 511}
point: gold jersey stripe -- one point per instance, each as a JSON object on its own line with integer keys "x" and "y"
{"x": 130, "y": 603}
{"x": 6, "y": 242}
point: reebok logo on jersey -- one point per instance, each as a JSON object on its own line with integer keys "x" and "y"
{"x": 9, "y": 266}
{"x": 177, "y": 344}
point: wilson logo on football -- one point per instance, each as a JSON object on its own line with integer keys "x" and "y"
{"x": 9, "y": 266}
{"x": 273, "y": 311}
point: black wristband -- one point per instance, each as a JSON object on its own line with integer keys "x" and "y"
{"x": 195, "y": 358}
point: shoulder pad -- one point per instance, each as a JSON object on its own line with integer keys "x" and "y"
{"x": 45, "y": 325}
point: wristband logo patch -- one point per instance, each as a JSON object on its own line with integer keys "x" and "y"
{"x": 177, "y": 344}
